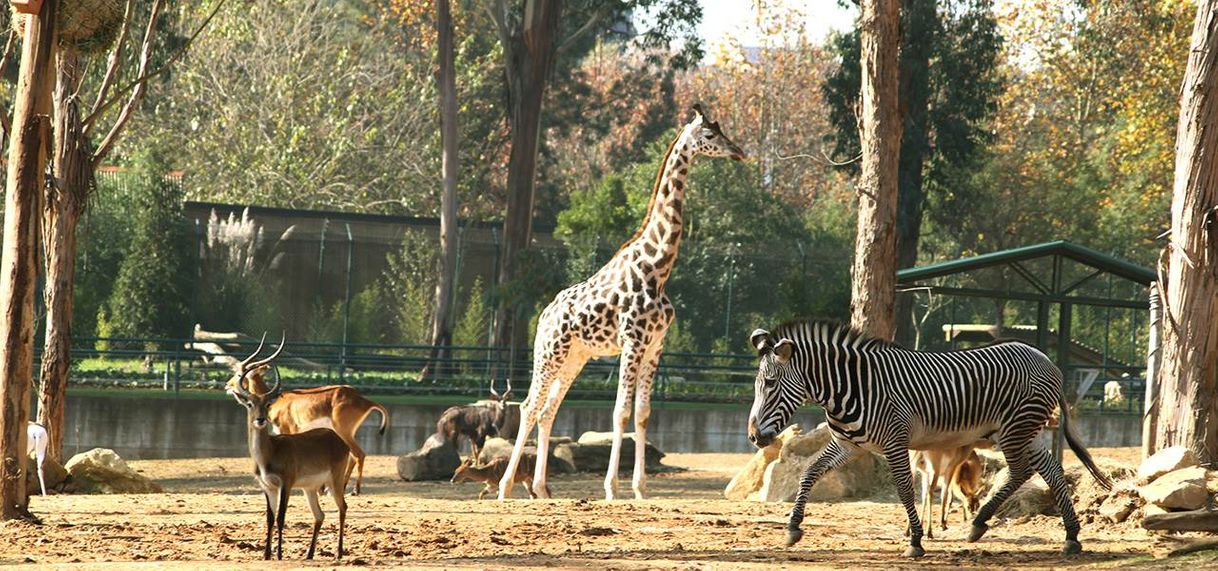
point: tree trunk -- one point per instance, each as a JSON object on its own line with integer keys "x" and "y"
{"x": 442, "y": 321}
{"x": 530, "y": 55}
{"x": 918, "y": 29}
{"x": 1189, "y": 371}
{"x": 18, "y": 270}
{"x": 873, "y": 289}
{"x": 65, "y": 201}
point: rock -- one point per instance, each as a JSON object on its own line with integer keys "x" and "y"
{"x": 863, "y": 476}
{"x": 750, "y": 478}
{"x": 1032, "y": 498}
{"x": 1182, "y": 489}
{"x": 53, "y": 472}
{"x": 1122, "y": 502}
{"x": 591, "y": 453}
{"x": 101, "y": 471}
{"x": 560, "y": 462}
{"x": 436, "y": 460}
{"x": 1166, "y": 460}
{"x": 1151, "y": 509}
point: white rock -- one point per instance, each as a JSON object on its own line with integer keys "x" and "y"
{"x": 1182, "y": 489}
{"x": 102, "y": 471}
{"x": 750, "y": 478}
{"x": 1166, "y": 460}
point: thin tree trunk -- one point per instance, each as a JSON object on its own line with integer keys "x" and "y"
{"x": 530, "y": 57}
{"x": 873, "y": 290}
{"x": 1188, "y": 376}
{"x": 64, "y": 204}
{"x": 442, "y": 321}
{"x": 18, "y": 270}
{"x": 918, "y": 29}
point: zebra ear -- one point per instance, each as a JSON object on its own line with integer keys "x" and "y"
{"x": 783, "y": 350}
{"x": 761, "y": 340}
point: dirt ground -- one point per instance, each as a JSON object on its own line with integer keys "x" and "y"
{"x": 213, "y": 513}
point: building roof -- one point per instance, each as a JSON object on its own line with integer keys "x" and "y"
{"x": 1082, "y": 254}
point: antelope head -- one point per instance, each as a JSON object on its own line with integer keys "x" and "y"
{"x": 257, "y": 404}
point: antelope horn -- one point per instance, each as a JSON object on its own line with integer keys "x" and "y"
{"x": 493, "y": 393}
{"x": 262, "y": 362}
{"x": 245, "y": 362}
{"x": 509, "y": 388}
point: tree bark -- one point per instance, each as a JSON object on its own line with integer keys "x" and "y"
{"x": 442, "y": 323}
{"x": 1188, "y": 376}
{"x": 918, "y": 29}
{"x": 66, "y": 197}
{"x": 18, "y": 270}
{"x": 873, "y": 289}
{"x": 529, "y": 52}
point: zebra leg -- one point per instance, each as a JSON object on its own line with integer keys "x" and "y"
{"x": 1051, "y": 470}
{"x": 834, "y": 455}
{"x": 898, "y": 462}
{"x": 1020, "y": 471}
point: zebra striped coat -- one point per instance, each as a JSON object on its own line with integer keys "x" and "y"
{"x": 886, "y": 399}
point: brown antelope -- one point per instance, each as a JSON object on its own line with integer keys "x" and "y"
{"x": 475, "y": 421}
{"x": 493, "y": 471}
{"x": 308, "y": 460}
{"x": 960, "y": 470}
{"x": 340, "y": 408}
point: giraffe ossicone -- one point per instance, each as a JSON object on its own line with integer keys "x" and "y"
{"x": 621, "y": 309}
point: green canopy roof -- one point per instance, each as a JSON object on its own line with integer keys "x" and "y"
{"x": 1081, "y": 254}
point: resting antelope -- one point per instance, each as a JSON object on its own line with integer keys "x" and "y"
{"x": 338, "y": 407}
{"x": 307, "y": 460}
{"x": 960, "y": 471}
{"x": 37, "y": 440}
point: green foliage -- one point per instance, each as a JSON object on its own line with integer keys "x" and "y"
{"x": 408, "y": 286}
{"x": 102, "y": 238}
{"x": 153, "y": 288}
{"x": 471, "y": 328}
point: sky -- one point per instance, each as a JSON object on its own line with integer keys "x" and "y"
{"x": 723, "y": 17}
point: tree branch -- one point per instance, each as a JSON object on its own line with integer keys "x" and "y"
{"x": 115, "y": 62}
{"x": 145, "y": 78}
{"x": 5, "y": 120}
{"x": 582, "y": 31}
{"x": 107, "y": 143}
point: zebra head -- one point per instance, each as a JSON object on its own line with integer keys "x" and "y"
{"x": 777, "y": 389}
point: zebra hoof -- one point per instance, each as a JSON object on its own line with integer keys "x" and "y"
{"x": 1072, "y": 547}
{"x": 793, "y": 536}
{"x": 979, "y": 530}
{"x": 915, "y": 551}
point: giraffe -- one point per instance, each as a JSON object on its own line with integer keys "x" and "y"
{"x": 622, "y": 309}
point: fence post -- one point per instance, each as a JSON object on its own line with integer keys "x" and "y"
{"x": 342, "y": 362}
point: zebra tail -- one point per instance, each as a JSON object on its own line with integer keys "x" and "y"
{"x": 1079, "y": 450}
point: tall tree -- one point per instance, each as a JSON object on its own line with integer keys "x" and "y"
{"x": 442, "y": 320}
{"x": 1188, "y": 374}
{"x": 533, "y": 37}
{"x": 949, "y": 85}
{"x": 74, "y": 162}
{"x": 18, "y": 271}
{"x": 874, "y": 273}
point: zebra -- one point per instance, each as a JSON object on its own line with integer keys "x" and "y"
{"x": 885, "y": 399}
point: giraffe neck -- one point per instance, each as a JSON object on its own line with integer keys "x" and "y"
{"x": 659, "y": 237}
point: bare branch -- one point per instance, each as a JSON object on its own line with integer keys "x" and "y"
{"x": 582, "y": 31}
{"x": 107, "y": 143}
{"x": 115, "y": 62}
{"x": 5, "y": 120}
{"x": 145, "y": 78}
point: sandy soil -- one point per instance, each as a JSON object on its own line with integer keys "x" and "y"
{"x": 213, "y": 513}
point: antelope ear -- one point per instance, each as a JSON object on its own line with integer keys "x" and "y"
{"x": 783, "y": 350}
{"x": 761, "y": 340}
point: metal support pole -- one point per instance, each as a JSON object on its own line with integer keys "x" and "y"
{"x": 321, "y": 264}
{"x": 1063, "y": 363}
{"x": 1150, "y": 408}
{"x": 731, "y": 282}
{"x": 342, "y": 363}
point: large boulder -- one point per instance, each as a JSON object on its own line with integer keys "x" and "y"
{"x": 591, "y": 453}
{"x": 1032, "y": 498}
{"x": 53, "y": 473}
{"x": 1120, "y": 504}
{"x": 1166, "y": 460}
{"x": 863, "y": 476}
{"x": 1183, "y": 489}
{"x": 561, "y": 460}
{"x": 437, "y": 459}
{"x": 750, "y": 478}
{"x": 102, "y": 471}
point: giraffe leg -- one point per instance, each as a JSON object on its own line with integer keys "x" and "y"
{"x": 548, "y": 413}
{"x": 1051, "y": 470}
{"x": 642, "y": 412}
{"x": 631, "y": 361}
{"x": 897, "y": 455}
{"x": 834, "y": 455}
{"x": 528, "y": 417}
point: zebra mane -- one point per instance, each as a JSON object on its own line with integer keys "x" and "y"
{"x": 840, "y": 333}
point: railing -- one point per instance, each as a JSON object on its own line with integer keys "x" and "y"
{"x": 173, "y": 364}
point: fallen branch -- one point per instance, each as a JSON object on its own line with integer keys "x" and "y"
{"x": 1196, "y": 520}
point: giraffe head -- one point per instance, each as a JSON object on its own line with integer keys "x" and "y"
{"x": 709, "y": 140}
